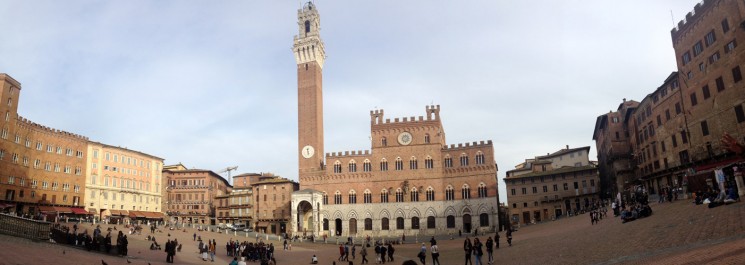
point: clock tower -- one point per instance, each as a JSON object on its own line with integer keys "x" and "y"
{"x": 309, "y": 55}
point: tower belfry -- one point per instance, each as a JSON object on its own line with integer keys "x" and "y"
{"x": 309, "y": 56}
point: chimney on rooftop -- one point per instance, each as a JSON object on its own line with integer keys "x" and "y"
{"x": 624, "y": 99}
{"x": 567, "y": 147}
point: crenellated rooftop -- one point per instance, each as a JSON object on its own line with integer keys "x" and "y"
{"x": 23, "y": 122}
{"x": 698, "y": 11}
{"x": 461, "y": 146}
{"x": 357, "y": 153}
{"x": 432, "y": 114}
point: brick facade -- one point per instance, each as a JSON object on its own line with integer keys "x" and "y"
{"x": 191, "y": 194}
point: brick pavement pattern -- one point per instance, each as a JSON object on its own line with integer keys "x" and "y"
{"x": 677, "y": 233}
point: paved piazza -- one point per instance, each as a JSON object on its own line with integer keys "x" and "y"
{"x": 677, "y": 233}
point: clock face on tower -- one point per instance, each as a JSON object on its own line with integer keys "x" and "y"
{"x": 404, "y": 138}
{"x": 308, "y": 151}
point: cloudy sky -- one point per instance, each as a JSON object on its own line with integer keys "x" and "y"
{"x": 212, "y": 84}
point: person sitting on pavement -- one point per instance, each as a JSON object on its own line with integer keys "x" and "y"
{"x": 314, "y": 259}
{"x": 732, "y": 195}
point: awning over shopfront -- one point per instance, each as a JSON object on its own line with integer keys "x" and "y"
{"x": 6, "y": 205}
{"x": 46, "y": 209}
{"x": 136, "y": 214}
{"x": 262, "y": 224}
{"x": 153, "y": 215}
{"x": 79, "y": 211}
{"x": 119, "y": 212}
{"x": 63, "y": 209}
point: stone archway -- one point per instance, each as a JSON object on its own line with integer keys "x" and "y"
{"x": 305, "y": 221}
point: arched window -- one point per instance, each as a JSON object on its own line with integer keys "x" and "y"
{"x": 449, "y": 193}
{"x": 413, "y": 163}
{"x": 337, "y": 167}
{"x": 399, "y": 195}
{"x": 337, "y": 197}
{"x": 482, "y": 190}
{"x": 430, "y": 194}
{"x": 463, "y": 159}
{"x": 352, "y": 197}
{"x": 325, "y": 198}
{"x": 400, "y": 223}
{"x": 414, "y": 222}
{"x": 484, "y": 220}
{"x": 307, "y": 26}
{"x": 399, "y": 164}
{"x": 465, "y": 191}
{"x": 352, "y": 166}
{"x": 426, "y": 138}
{"x": 368, "y": 224}
{"x": 368, "y": 196}
{"x": 384, "y": 223}
{"x": 479, "y": 158}
{"x": 430, "y": 222}
{"x": 384, "y": 196}
{"x": 429, "y": 163}
{"x": 383, "y": 165}
{"x": 451, "y": 221}
{"x": 366, "y": 166}
{"x": 325, "y": 224}
{"x": 414, "y": 195}
{"x": 448, "y": 161}
{"x": 383, "y": 141}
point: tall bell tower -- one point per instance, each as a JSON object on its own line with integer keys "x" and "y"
{"x": 309, "y": 55}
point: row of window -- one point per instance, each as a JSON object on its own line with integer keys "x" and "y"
{"x": 709, "y": 39}
{"x": 135, "y": 198}
{"x": 10, "y": 196}
{"x": 40, "y": 145}
{"x": 431, "y": 222}
{"x": 555, "y": 187}
{"x": 400, "y": 195}
{"x": 116, "y": 158}
{"x": 542, "y": 179}
{"x": 413, "y": 163}
{"x": 109, "y": 181}
{"x": 15, "y": 158}
{"x": 13, "y": 180}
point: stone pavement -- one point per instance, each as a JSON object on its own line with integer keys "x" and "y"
{"x": 677, "y": 233}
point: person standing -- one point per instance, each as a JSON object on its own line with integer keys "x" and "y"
{"x": 496, "y": 239}
{"x": 354, "y": 250}
{"x": 213, "y": 246}
{"x": 363, "y": 253}
{"x": 423, "y": 254}
{"x": 509, "y": 236}
{"x": 435, "y": 250}
{"x": 390, "y": 251}
{"x": 341, "y": 252}
{"x": 477, "y": 250}
{"x": 490, "y": 250}
{"x": 383, "y": 250}
{"x": 125, "y": 242}
{"x": 467, "y": 247}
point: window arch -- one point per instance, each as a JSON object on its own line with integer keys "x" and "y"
{"x": 431, "y": 222}
{"x": 429, "y": 163}
{"x": 451, "y": 221}
{"x": 352, "y": 166}
{"x": 449, "y": 193}
{"x": 384, "y": 223}
{"x": 426, "y": 138}
{"x": 463, "y": 159}
{"x": 479, "y": 158}
{"x": 368, "y": 224}
{"x": 400, "y": 223}
{"x": 307, "y": 26}
{"x": 482, "y": 190}
{"x": 383, "y": 165}
{"x": 352, "y": 197}
{"x": 399, "y": 163}
{"x": 413, "y": 164}
{"x": 366, "y": 166}
{"x": 337, "y": 197}
{"x": 430, "y": 194}
{"x": 384, "y": 196}
{"x": 383, "y": 141}
{"x": 414, "y": 195}
{"x": 465, "y": 191}
{"x": 368, "y": 196}
{"x": 325, "y": 198}
{"x": 484, "y": 220}
{"x": 337, "y": 166}
{"x": 448, "y": 161}
{"x": 399, "y": 195}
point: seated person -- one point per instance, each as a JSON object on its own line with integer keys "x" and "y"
{"x": 732, "y": 196}
{"x": 314, "y": 259}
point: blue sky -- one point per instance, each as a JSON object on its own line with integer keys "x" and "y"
{"x": 212, "y": 84}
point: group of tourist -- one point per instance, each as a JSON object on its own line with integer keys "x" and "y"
{"x": 247, "y": 251}
{"x": 714, "y": 197}
{"x": 96, "y": 241}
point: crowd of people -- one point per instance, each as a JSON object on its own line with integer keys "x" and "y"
{"x": 714, "y": 197}
{"x": 95, "y": 241}
{"x": 249, "y": 251}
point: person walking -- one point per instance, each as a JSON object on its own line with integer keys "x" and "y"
{"x": 496, "y": 239}
{"x": 383, "y": 250}
{"x": 423, "y": 254}
{"x": 341, "y": 252}
{"x": 467, "y": 247}
{"x": 390, "y": 252}
{"x": 477, "y": 250}
{"x": 353, "y": 251}
{"x": 490, "y": 250}
{"x": 212, "y": 248}
{"x": 435, "y": 250}
{"x": 363, "y": 253}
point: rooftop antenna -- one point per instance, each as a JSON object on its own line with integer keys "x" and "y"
{"x": 672, "y": 18}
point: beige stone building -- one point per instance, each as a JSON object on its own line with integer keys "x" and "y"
{"x": 191, "y": 194}
{"x": 551, "y": 186}
{"x": 384, "y": 191}
{"x": 42, "y": 169}
{"x": 123, "y": 185}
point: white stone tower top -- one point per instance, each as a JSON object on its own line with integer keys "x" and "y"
{"x": 308, "y": 44}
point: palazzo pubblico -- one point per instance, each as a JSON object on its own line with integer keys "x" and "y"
{"x": 410, "y": 183}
